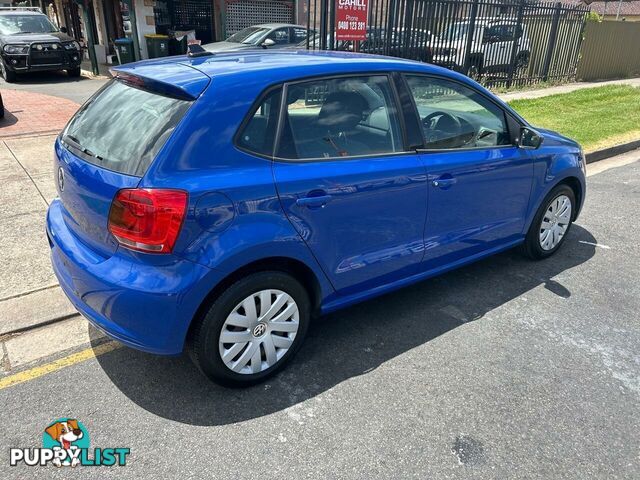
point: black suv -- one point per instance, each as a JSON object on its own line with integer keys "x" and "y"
{"x": 29, "y": 42}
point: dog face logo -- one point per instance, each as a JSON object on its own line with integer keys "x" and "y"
{"x": 68, "y": 435}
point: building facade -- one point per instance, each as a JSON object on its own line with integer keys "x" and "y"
{"x": 209, "y": 20}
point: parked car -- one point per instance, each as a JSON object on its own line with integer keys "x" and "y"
{"x": 222, "y": 216}
{"x": 29, "y": 42}
{"x": 491, "y": 46}
{"x": 268, "y": 35}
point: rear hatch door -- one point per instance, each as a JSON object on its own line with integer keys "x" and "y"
{"x": 111, "y": 142}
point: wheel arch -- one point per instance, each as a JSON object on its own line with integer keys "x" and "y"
{"x": 574, "y": 184}
{"x": 294, "y": 267}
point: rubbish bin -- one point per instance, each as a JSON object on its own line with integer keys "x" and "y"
{"x": 157, "y": 45}
{"x": 124, "y": 50}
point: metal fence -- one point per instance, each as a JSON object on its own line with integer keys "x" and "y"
{"x": 498, "y": 42}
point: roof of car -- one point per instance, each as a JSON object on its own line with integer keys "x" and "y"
{"x": 273, "y": 65}
{"x": 255, "y": 70}
{"x": 19, "y": 12}
{"x": 278, "y": 25}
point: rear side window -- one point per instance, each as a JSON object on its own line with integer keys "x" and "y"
{"x": 123, "y": 127}
{"x": 340, "y": 117}
{"x": 259, "y": 132}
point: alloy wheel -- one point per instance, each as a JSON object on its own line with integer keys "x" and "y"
{"x": 259, "y": 331}
{"x": 555, "y": 222}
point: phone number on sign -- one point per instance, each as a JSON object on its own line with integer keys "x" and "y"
{"x": 351, "y": 25}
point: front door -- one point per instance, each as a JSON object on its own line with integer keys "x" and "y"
{"x": 479, "y": 182}
{"x": 346, "y": 182}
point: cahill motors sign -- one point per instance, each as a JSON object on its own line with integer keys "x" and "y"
{"x": 351, "y": 19}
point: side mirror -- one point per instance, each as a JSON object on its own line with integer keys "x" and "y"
{"x": 529, "y": 138}
{"x": 268, "y": 43}
{"x": 64, "y": 30}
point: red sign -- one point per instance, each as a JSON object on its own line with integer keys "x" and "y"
{"x": 351, "y": 19}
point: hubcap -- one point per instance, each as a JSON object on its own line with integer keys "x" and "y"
{"x": 555, "y": 222}
{"x": 259, "y": 331}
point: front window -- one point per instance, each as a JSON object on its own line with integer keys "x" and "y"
{"x": 280, "y": 36}
{"x": 454, "y": 116}
{"x": 14, "y": 24}
{"x": 248, "y": 36}
{"x": 123, "y": 127}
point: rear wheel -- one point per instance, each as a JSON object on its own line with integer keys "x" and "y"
{"x": 252, "y": 329}
{"x": 74, "y": 72}
{"x": 551, "y": 223}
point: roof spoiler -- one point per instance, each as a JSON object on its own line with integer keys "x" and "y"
{"x": 152, "y": 85}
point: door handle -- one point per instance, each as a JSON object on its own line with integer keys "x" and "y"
{"x": 314, "y": 202}
{"x": 443, "y": 182}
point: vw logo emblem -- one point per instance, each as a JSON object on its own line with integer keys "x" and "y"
{"x": 60, "y": 179}
{"x": 259, "y": 330}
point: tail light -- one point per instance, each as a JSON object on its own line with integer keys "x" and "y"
{"x": 147, "y": 219}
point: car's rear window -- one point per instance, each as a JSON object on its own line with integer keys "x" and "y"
{"x": 123, "y": 127}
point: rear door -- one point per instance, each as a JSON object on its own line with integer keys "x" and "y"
{"x": 348, "y": 184}
{"x": 108, "y": 145}
{"x": 479, "y": 182}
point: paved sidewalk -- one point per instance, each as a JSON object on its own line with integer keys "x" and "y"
{"x": 28, "y": 113}
{"x": 29, "y": 293}
{"x": 570, "y": 87}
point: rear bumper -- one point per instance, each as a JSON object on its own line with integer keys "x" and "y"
{"x": 145, "y": 305}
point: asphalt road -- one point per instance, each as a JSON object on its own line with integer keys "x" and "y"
{"x": 58, "y": 84}
{"x": 504, "y": 369}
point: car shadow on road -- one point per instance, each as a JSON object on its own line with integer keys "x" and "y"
{"x": 347, "y": 343}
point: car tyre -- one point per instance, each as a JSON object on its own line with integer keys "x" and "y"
{"x": 551, "y": 223}
{"x": 8, "y": 75}
{"x": 206, "y": 345}
{"x": 1, "y": 108}
{"x": 74, "y": 72}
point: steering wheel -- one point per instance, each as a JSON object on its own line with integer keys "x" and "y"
{"x": 444, "y": 132}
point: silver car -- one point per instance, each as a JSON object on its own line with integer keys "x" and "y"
{"x": 267, "y": 35}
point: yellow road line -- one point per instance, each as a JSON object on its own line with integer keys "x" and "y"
{"x": 59, "y": 364}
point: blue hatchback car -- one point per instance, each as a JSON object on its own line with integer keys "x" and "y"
{"x": 218, "y": 203}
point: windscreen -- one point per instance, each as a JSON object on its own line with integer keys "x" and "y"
{"x": 123, "y": 127}
{"x": 12, "y": 24}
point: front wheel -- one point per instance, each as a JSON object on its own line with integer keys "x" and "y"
{"x": 252, "y": 329}
{"x": 8, "y": 75}
{"x": 551, "y": 223}
{"x": 74, "y": 72}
